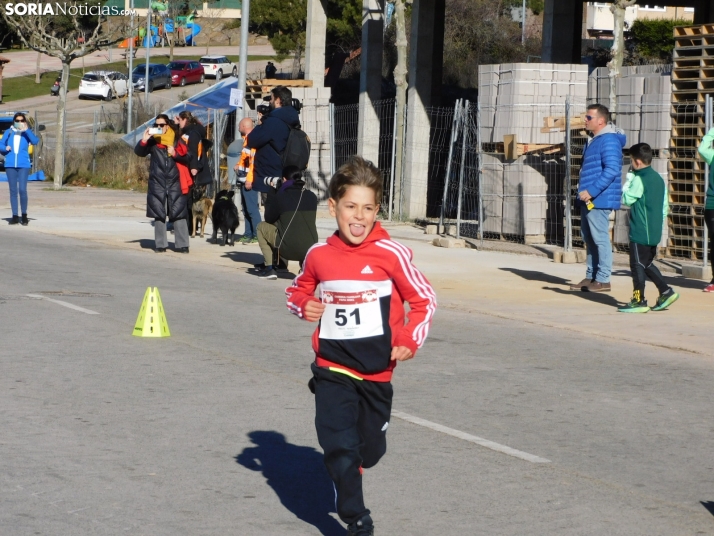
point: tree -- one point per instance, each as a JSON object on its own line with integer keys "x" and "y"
{"x": 536, "y": 6}
{"x": 80, "y": 30}
{"x": 478, "y": 33}
{"x": 618, "y": 48}
{"x": 284, "y": 22}
{"x": 653, "y": 39}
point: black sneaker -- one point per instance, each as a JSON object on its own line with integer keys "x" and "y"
{"x": 281, "y": 267}
{"x": 259, "y": 267}
{"x": 361, "y": 527}
{"x": 24, "y": 221}
{"x": 268, "y": 273}
{"x": 665, "y": 300}
{"x": 160, "y": 250}
{"x": 14, "y": 221}
{"x": 182, "y": 250}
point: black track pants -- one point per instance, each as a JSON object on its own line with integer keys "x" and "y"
{"x": 351, "y": 418}
{"x": 641, "y": 266}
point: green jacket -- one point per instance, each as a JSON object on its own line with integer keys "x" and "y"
{"x": 646, "y": 193}
{"x": 707, "y": 152}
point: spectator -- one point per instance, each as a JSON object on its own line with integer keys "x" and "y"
{"x": 165, "y": 196}
{"x": 249, "y": 196}
{"x": 707, "y": 152}
{"x": 599, "y": 194}
{"x": 193, "y": 133}
{"x": 269, "y": 139}
{"x": 646, "y": 193}
{"x": 289, "y": 226}
{"x": 15, "y": 146}
{"x": 270, "y": 70}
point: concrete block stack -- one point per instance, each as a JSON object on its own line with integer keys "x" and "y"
{"x": 491, "y": 185}
{"x": 315, "y": 121}
{"x": 516, "y": 97}
{"x": 643, "y": 94}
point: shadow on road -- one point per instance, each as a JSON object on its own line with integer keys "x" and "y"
{"x": 144, "y": 243}
{"x": 709, "y": 505}
{"x": 532, "y": 275}
{"x": 245, "y": 257}
{"x": 597, "y": 297}
{"x": 298, "y": 477}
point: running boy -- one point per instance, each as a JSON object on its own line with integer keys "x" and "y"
{"x": 364, "y": 279}
{"x": 646, "y": 193}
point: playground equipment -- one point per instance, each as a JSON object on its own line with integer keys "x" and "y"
{"x": 184, "y": 28}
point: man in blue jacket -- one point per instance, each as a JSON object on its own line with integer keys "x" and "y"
{"x": 599, "y": 194}
{"x": 270, "y": 138}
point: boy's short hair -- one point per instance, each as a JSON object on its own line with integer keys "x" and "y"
{"x": 292, "y": 173}
{"x": 642, "y": 152}
{"x": 356, "y": 172}
{"x": 601, "y": 110}
{"x": 284, "y": 94}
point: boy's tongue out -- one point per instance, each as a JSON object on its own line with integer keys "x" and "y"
{"x": 357, "y": 229}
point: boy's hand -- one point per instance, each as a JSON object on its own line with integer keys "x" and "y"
{"x": 314, "y": 310}
{"x": 401, "y": 353}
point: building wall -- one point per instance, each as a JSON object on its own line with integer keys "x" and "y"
{"x": 599, "y": 19}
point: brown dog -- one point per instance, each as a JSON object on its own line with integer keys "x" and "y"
{"x": 201, "y": 209}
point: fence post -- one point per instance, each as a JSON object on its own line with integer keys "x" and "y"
{"x": 465, "y": 127}
{"x": 94, "y": 142}
{"x": 333, "y": 149}
{"x": 454, "y": 128}
{"x": 707, "y": 128}
{"x": 567, "y": 183}
{"x": 394, "y": 163}
{"x": 479, "y": 163}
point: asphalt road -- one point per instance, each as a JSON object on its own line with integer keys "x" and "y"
{"x": 211, "y": 432}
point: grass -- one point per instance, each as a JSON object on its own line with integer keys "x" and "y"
{"x": 23, "y": 87}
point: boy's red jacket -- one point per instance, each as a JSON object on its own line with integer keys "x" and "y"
{"x": 364, "y": 288}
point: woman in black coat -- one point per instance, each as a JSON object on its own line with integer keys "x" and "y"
{"x": 193, "y": 134}
{"x": 164, "y": 198}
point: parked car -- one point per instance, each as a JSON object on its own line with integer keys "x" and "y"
{"x": 6, "y": 122}
{"x": 186, "y": 72}
{"x": 218, "y": 66}
{"x": 103, "y": 84}
{"x": 159, "y": 76}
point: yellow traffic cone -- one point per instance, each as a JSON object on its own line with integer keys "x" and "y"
{"x": 152, "y": 319}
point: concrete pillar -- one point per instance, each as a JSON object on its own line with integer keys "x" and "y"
{"x": 370, "y": 85}
{"x": 425, "y": 15}
{"x": 562, "y": 31}
{"x": 315, "y": 43}
{"x": 703, "y": 11}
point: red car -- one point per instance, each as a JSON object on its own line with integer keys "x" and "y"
{"x": 186, "y": 72}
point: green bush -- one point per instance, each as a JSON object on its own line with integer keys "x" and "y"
{"x": 654, "y": 39}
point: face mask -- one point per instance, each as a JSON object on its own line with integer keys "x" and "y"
{"x": 17, "y": 125}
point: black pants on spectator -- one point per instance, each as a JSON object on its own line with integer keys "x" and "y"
{"x": 641, "y": 266}
{"x": 351, "y": 418}
{"x": 709, "y": 220}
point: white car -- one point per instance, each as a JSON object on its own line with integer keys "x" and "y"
{"x": 218, "y": 66}
{"x": 103, "y": 84}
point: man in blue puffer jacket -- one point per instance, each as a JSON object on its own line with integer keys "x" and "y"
{"x": 599, "y": 194}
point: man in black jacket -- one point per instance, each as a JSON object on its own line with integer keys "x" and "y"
{"x": 289, "y": 226}
{"x": 270, "y": 138}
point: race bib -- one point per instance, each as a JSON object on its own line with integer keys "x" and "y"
{"x": 351, "y": 315}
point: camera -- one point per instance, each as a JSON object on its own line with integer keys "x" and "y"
{"x": 263, "y": 109}
{"x": 297, "y": 105}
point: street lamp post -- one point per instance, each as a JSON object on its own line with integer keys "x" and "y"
{"x": 131, "y": 67}
{"x": 243, "y": 64}
{"x": 148, "y": 53}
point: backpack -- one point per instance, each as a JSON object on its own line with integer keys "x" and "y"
{"x": 297, "y": 149}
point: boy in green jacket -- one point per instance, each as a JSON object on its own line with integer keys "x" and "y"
{"x": 646, "y": 194}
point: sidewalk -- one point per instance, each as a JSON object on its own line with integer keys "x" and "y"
{"x": 523, "y": 288}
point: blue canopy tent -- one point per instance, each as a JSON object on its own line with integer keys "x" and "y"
{"x": 210, "y": 107}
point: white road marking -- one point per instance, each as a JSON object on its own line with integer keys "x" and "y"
{"x": 65, "y": 304}
{"x": 471, "y": 438}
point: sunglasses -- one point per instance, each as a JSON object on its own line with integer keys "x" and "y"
{"x": 160, "y": 125}
{"x": 589, "y": 117}
{"x": 20, "y": 121}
